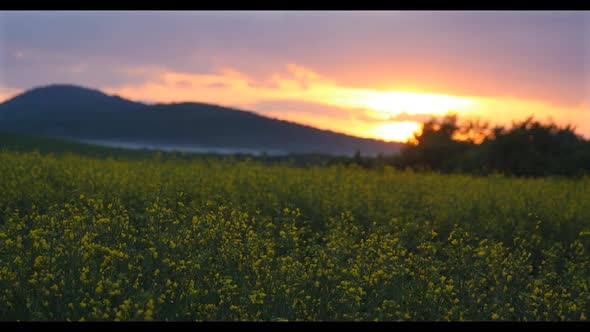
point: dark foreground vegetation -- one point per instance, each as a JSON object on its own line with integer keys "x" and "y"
{"x": 529, "y": 148}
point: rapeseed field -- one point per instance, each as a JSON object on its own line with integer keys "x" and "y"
{"x": 85, "y": 238}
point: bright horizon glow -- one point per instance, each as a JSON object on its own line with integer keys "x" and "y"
{"x": 363, "y": 112}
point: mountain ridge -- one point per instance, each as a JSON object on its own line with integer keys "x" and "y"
{"x": 74, "y": 112}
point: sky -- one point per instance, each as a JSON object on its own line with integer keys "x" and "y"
{"x": 375, "y": 74}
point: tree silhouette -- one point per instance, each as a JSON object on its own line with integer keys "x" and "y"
{"x": 528, "y": 148}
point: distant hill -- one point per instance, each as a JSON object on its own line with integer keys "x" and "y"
{"x": 77, "y": 113}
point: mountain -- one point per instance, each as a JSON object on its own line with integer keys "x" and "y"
{"x": 59, "y": 110}
{"x": 77, "y": 113}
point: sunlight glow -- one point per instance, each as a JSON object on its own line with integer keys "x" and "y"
{"x": 396, "y": 131}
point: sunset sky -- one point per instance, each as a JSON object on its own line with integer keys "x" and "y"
{"x": 369, "y": 74}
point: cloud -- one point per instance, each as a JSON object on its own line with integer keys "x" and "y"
{"x": 496, "y": 54}
{"x": 304, "y": 76}
{"x": 223, "y": 84}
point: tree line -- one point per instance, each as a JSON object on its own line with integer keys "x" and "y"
{"x": 528, "y": 148}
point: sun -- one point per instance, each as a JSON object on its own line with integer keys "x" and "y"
{"x": 398, "y": 131}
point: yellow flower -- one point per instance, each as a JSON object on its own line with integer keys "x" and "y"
{"x": 149, "y": 312}
{"x": 38, "y": 261}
